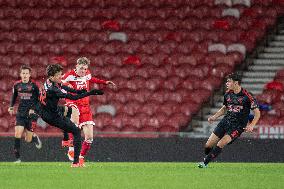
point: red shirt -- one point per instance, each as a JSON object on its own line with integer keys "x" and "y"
{"x": 79, "y": 83}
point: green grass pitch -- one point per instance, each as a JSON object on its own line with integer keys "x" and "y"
{"x": 43, "y": 175}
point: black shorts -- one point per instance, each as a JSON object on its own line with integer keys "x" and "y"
{"x": 57, "y": 119}
{"x": 234, "y": 130}
{"x": 24, "y": 121}
{"x": 61, "y": 110}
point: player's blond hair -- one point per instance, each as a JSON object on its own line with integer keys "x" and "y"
{"x": 83, "y": 61}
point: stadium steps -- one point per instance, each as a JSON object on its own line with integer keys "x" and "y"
{"x": 262, "y": 70}
{"x": 265, "y": 66}
{"x": 273, "y": 50}
{"x": 272, "y": 55}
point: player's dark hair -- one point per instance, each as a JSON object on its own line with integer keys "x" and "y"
{"x": 235, "y": 77}
{"x": 25, "y": 67}
{"x": 52, "y": 69}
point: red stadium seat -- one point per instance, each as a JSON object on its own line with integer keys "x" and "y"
{"x": 171, "y": 83}
{"x": 149, "y": 108}
{"x": 153, "y": 84}
{"x": 132, "y": 121}
{"x": 102, "y": 120}
{"x": 222, "y": 24}
{"x": 130, "y": 108}
{"x": 4, "y": 123}
{"x": 268, "y": 120}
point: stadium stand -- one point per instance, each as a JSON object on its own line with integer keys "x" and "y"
{"x": 167, "y": 57}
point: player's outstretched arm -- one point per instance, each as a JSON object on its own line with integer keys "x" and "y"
{"x": 220, "y": 112}
{"x": 71, "y": 90}
{"x": 250, "y": 127}
{"x": 98, "y": 81}
{"x": 61, "y": 94}
{"x": 83, "y": 95}
{"x": 101, "y": 81}
{"x": 110, "y": 83}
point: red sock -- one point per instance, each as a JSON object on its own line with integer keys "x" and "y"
{"x": 70, "y": 136}
{"x": 86, "y": 146}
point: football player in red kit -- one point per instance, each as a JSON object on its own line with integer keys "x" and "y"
{"x": 80, "y": 78}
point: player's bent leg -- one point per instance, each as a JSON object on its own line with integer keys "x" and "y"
{"x": 77, "y": 144}
{"x": 217, "y": 149}
{"x": 17, "y": 144}
{"x": 70, "y": 112}
{"x": 88, "y": 131}
{"x": 211, "y": 142}
{"x": 70, "y": 127}
{"x": 75, "y": 115}
{"x": 31, "y": 137}
{"x": 65, "y": 140}
{"x": 86, "y": 146}
{"x": 19, "y": 130}
{"x": 224, "y": 141}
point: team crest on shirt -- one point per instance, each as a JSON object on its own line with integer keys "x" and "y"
{"x": 81, "y": 84}
{"x": 29, "y": 87}
{"x": 229, "y": 99}
{"x": 240, "y": 100}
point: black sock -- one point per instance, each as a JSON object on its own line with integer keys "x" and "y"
{"x": 34, "y": 139}
{"x": 77, "y": 145}
{"x": 207, "y": 150}
{"x": 17, "y": 147}
{"x": 65, "y": 136}
{"x": 213, "y": 154}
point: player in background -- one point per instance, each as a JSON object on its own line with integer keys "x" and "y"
{"x": 237, "y": 105}
{"x": 28, "y": 92}
{"x": 80, "y": 78}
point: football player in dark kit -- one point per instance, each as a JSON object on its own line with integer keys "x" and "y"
{"x": 237, "y": 105}
{"x": 51, "y": 113}
{"x": 28, "y": 92}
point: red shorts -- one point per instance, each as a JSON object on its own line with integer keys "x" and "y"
{"x": 86, "y": 116}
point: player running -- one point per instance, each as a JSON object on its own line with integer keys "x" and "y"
{"x": 51, "y": 113}
{"x": 238, "y": 102}
{"x": 28, "y": 92}
{"x": 80, "y": 78}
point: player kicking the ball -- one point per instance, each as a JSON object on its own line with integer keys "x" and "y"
{"x": 237, "y": 102}
{"x": 80, "y": 78}
{"x": 51, "y": 113}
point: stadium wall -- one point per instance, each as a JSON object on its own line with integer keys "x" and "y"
{"x": 150, "y": 150}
